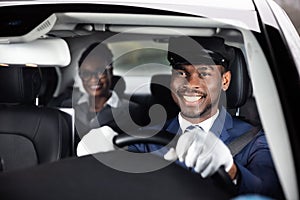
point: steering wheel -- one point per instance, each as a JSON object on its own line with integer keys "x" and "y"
{"x": 165, "y": 138}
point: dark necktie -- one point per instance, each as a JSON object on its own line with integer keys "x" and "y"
{"x": 193, "y": 128}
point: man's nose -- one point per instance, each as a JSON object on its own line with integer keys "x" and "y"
{"x": 194, "y": 81}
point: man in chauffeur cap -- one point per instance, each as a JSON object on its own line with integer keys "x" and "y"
{"x": 200, "y": 73}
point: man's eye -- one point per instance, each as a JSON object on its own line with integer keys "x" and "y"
{"x": 181, "y": 73}
{"x": 203, "y": 74}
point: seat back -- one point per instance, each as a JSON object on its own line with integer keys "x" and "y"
{"x": 118, "y": 85}
{"x": 238, "y": 91}
{"x": 29, "y": 135}
{"x": 240, "y": 101}
{"x": 160, "y": 89}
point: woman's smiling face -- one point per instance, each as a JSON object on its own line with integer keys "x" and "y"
{"x": 96, "y": 76}
{"x": 197, "y": 89}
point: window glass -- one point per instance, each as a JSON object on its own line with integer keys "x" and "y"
{"x": 139, "y": 58}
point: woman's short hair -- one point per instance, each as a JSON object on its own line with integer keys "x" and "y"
{"x": 103, "y": 48}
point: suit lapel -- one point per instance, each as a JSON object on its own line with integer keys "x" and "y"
{"x": 222, "y": 124}
{"x": 173, "y": 126}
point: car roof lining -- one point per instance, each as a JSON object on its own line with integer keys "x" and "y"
{"x": 245, "y": 13}
{"x": 73, "y": 24}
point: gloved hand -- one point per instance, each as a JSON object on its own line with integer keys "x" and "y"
{"x": 97, "y": 140}
{"x": 202, "y": 151}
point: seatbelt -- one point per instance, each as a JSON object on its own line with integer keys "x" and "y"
{"x": 240, "y": 142}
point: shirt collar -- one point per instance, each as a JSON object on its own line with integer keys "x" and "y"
{"x": 113, "y": 101}
{"x": 206, "y": 124}
{"x": 83, "y": 99}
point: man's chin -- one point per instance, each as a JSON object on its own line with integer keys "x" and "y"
{"x": 191, "y": 115}
{"x": 196, "y": 112}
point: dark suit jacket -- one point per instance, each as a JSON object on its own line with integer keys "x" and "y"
{"x": 256, "y": 170}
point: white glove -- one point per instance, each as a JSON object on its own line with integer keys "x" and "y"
{"x": 97, "y": 140}
{"x": 202, "y": 151}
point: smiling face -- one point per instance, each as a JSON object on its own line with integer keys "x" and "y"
{"x": 197, "y": 89}
{"x": 96, "y": 76}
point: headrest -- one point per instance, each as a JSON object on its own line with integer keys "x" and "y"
{"x": 199, "y": 50}
{"x": 160, "y": 84}
{"x": 19, "y": 85}
{"x": 118, "y": 85}
{"x": 236, "y": 95}
{"x": 160, "y": 89}
{"x": 239, "y": 88}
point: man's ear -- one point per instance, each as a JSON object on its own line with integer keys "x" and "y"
{"x": 226, "y": 77}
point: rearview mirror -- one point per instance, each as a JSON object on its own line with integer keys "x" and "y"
{"x": 41, "y": 52}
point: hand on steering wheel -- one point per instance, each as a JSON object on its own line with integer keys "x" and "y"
{"x": 202, "y": 151}
{"x": 105, "y": 139}
{"x": 164, "y": 138}
{"x": 97, "y": 140}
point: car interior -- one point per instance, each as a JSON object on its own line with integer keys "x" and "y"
{"x": 141, "y": 70}
{"x": 40, "y": 85}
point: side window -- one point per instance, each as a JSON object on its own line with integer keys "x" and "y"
{"x": 289, "y": 31}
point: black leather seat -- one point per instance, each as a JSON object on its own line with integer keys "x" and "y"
{"x": 240, "y": 101}
{"x": 118, "y": 85}
{"x": 160, "y": 89}
{"x": 29, "y": 135}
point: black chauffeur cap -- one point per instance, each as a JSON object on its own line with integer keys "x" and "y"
{"x": 199, "y": 50}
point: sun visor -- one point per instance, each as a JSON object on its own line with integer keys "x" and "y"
{"x": 41, "y": 52}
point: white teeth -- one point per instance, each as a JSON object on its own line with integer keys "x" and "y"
{"x": 192, "y": 98}
{"x": 94, "y": 87}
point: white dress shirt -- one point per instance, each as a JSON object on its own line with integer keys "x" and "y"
{"x": 205, "y": 125}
